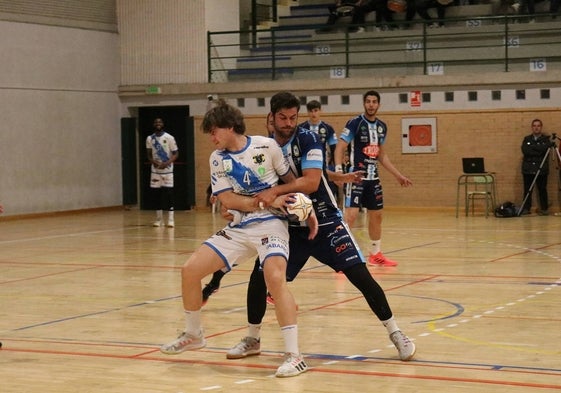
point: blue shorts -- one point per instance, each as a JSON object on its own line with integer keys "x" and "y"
{"x": 333, "y": 246}
{"x": 367, "y": 193}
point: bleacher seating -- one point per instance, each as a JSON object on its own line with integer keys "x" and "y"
{"x": 298, "y": 44}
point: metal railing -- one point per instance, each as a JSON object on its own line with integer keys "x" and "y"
{"x": 471, "y": 44}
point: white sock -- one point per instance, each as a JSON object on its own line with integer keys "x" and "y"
{"x": 391, "y": 325}
{"x": 290, "y": 335}
{"x": 193, "y": 322}
{"x": 159, "y": 215}
{"x": 376, "y": 246}
{"x": 254, "y": 330}
{"x": 170, "y": 215}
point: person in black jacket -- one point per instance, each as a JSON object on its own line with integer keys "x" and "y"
{"x": 534, "y": 148}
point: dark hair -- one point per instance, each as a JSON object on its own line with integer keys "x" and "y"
{"x": 532, "y": 123}
{"x": 223, "y": 115}
{"x": 284, "y": 100}
{"x": 314, "y": 104}
{"x": 371, "y": 93}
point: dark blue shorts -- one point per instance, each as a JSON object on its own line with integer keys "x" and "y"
{"x": 367, "y": 194}
{"x": 333, "y": 246}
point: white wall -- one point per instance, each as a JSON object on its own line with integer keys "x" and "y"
{"x": 60, "y": 139}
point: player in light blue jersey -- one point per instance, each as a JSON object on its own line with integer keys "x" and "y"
{"x": 242, "y": 167}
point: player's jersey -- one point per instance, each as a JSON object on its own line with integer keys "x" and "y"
{"x": 364, "y": 138}
{"x": 305, "y": 151}
{"x": 327, "y": 136}
{"x": 162, "y": 147}
{"x": 255, "y": 168}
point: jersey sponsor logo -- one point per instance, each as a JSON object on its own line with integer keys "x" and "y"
{"x": 371, "y": 151}
{"x": 315, "y": 155}
{"x": 223, "y": 234}
{"x": 339, "y": 249}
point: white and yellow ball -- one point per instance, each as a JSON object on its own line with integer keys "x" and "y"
{"x": 301, "y": 208}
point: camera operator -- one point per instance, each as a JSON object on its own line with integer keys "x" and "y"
{"x": 534, "y": 148}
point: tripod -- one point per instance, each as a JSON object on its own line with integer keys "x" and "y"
{"x": 553, "y": 147}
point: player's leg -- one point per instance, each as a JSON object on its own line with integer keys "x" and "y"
{"x": 256, "y": 307}
{"x": 361, "y": 278}
{"x": 214, "y": 254}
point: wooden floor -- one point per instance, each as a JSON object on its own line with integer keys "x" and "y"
{"x": 87, "y": 299}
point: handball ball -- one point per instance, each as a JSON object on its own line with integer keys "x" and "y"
{"x": 301, "y": 208}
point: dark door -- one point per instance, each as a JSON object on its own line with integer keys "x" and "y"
{"x": 178, "y": 123}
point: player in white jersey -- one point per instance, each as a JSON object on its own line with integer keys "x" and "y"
{"x": 243, "y": 166}
{"x": 161, "y": 150}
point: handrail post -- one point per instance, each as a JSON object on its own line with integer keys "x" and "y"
{"x": 347, "y": 56}
{"x": 506, "y": 43}
{"x": 273, "y": 56}
{"x": 425, "y": 48}
{"x": 208, "y": 56}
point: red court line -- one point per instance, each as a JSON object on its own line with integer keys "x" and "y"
{"x": 324, "y": 370}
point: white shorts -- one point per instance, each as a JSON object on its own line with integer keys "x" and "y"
{"x": 235, "y": 245}
{"x": 158, "y": 180}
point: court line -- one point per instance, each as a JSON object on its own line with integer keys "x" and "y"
{"x": 314, "y": 369}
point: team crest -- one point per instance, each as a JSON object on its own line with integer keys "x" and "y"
{"x": 259, "y": 159}
{"x": 227, "y": 165}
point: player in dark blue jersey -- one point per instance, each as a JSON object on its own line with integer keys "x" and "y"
{"x": 334, "y": 244}
{"x": 364, "y": 137}
{"x": 326, "y": 134}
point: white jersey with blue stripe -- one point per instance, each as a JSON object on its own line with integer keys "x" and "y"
{"x": 256, "y": 167}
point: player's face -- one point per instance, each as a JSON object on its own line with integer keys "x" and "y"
{"x": 314, "y": 115}
{"x": 285, "y": 122}
{"x": 371, "y": 106}
{"x": 158, "y": 124}
{"x": 221, "y": 138}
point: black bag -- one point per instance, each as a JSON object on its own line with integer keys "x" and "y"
{"x": 506, "y": 210}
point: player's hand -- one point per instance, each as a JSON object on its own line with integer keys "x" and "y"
{"x": 266, "y": 197}
{"x": 313, "y": 224}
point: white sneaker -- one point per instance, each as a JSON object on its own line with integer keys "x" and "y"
{"x": 170, "y": 224}
{"x": 157, "y": 223}
{"x": 183, "y": 343}
{"x": 404, "y": 345}
{"x": 248, "y": 346}
{"x": 293, "y": 365}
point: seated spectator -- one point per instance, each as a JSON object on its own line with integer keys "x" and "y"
{"x": 554, "y": 7}
{"x": 422, "y": 6}
{"x": 336, "y": 10}
{"x": 383, "y": 13}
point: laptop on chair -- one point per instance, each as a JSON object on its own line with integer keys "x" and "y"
{"x": 473, "y": 165}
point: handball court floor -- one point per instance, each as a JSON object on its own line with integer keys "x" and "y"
{"x": 88, "y": 298}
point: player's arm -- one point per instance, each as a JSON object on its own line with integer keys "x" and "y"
{"x": 339, "y": 155}
{"x": 384, "y": 159}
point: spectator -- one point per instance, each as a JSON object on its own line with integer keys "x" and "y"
{"x": 383, "y": 13}
{"x": 535, "y": 167}
{"x": 422, "y": 7}
{"x": 337, "y": 10}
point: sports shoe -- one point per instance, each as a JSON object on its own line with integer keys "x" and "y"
{"x": 170, "y": 224}
{"x": 380, "y": 259}
{"x": 293, "y": 365}
{"x": 157, "y": 223}
{"x": 248, "y": 346}
{"x": 183, "y": 343}
{"x": 209, "y": 289}
{"x": 404, "y": 345}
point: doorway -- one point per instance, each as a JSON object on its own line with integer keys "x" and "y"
{"x": 178, "y": 123}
